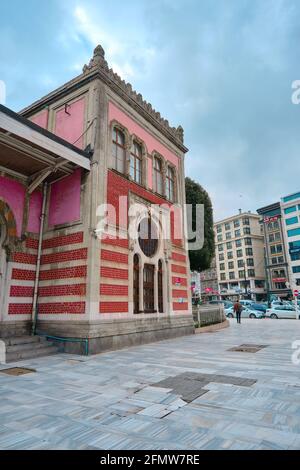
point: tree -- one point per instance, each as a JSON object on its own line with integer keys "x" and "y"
{"x": 195, "y": 194}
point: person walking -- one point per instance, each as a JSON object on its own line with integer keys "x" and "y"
{"x": 238, "y": 311}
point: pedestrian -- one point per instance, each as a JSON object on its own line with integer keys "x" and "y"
{"x": 238, "y": 311}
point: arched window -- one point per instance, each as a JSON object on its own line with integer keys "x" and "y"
{"x": 157, "y": 175}
{"x": 136, "y": 284}
{"x": 148, "y": 236}
{"x": 170, "y": 184}
{"x": 136, "y": 155}
{"x": 160, "y": 287}
{"x": 118, "y": 150}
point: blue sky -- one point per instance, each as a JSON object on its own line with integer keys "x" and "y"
{"x": 223, "y": 69}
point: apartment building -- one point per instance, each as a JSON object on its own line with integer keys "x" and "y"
{"x": 290, "y": 210}
{"x": 276, "y": 252}
{"x": 240, "y": 256}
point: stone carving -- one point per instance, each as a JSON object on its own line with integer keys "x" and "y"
{"x": 98, "y": 61}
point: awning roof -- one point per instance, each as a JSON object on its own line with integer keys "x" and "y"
{"x": 31, "y": 151}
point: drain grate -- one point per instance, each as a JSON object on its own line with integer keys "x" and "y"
{"x": 250, "y": 348}
{"x": 17, "y": 371}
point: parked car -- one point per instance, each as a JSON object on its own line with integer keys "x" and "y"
{"x": 281, "y": 311}
{"x": 246, "y": 303}
{"x": 246, "y": 313}
{"x": 259, "y": 307}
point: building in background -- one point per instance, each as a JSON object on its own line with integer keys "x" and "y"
{"x": 276, "y": 252}
{"x": 240, "y": 256}
{"x": 209, "y": 282}
{"x": 290, "y": 210}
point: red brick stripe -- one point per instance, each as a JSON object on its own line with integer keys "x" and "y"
{"x": 32, "y": 243}
{"x": 114, "y": 256}
{"x": 178, "y": 306}
{"x": 178, "y": 269}
{"x": 183, "y": 282}
{"x": 64, "y": 256}
{"x": 24, "y": 274}
{"x": 109, "y": 289}
{"x": 63, "y": 273}
{"x": 63, "y": 240}
{"x": 24, "y": 258}
{"x": 178, "y": 257}
{"x": 113, "y": 241}
{"x": 111, "y": 307}
{"x": 19, "y": 309}
{"x": 62, "y": 308}
{"x": 21, "y": 291}
{"x": 176, "y": 293}
{"x": 114, "y": 273}
{"x": 52, "y": 291}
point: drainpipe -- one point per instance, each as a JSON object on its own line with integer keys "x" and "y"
{"x": 38, "y": 264}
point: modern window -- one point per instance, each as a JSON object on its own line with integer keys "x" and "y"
{"x": 289, "y": 210}
{"x": 248, "y": 241}
{"x": 219, "y": 228}
{"x": 249, "y": 252}
{"x": 157, "y": 176}
{"x": 221, "y": 257}
{"x": 251, "y": 273}
{"x": 229, "y": 245}
{"x": 136, "y": 155}
{"x": 292, "y": 197}
{"x": 271, "y": 238}
{"x": 239, "y": 253}
{"x": 236, "y": 223}
{"x": 258, "y": 283}
{"x": 228, "y": 235}
{"x": 241, "y": 274}
{"x": 219, "y": 238}
{"x": 230, "y": 255}
{"x": 231, "y": 275}
{"x": 223, "y": 276}
{"x": 220, "y": 247}
{"x": 170, "y": 184}
{"x": 231, "y": 265}
{"x": 238, "y": 243}
{"x": 222, "y": 267}
{"x": 118, "y": 150}
{"x": 280, "y": 259}
{"x": 296, "y": 269}
{"x": 246, "y": 221}
{"x": 247, "y": 231}
{"x": 292, "y": 220}
{"x": 250, "y": 262}
{"x": 240, "y": 263}
{"x": 277, "y": 236}
{"x": 237, "y": 233}
{"x": 227, "y": 226}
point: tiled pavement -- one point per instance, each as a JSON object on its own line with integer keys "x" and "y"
{"x": 109, "y": 401}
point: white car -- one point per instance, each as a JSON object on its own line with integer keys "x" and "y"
{"x": 246, "y": 313}
{"x": 246, "y": 303}
{"x": 281, "y": 311}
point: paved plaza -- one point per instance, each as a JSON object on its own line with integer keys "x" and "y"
{"x": 185, "y": 393}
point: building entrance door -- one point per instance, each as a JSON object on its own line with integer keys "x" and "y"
{"x": 149, "y": 288}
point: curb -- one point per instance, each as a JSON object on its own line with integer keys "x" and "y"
{"x": 212, "y": 328}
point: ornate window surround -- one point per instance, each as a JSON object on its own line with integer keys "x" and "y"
{"x": 116, "y": 125}
{"x": 174, "y": 169}
{"x": 144, "y": 167}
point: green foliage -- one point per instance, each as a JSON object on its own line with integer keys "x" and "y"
{"x": 195, "y": 194}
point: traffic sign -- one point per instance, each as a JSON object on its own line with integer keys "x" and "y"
{"x": 296, "y": 293}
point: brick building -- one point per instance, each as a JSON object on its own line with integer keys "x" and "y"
{"x": 89, "y": 175}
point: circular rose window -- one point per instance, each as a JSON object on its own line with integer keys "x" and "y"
{"x": 148, "y": 236}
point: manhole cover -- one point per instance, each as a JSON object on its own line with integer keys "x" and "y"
{"x": 250, "y": 348}
{"x": 17, "y": 371}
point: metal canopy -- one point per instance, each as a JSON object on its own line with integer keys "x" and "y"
{"x": 32, "y": 153}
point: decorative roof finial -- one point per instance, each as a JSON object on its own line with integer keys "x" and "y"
{"x": 98, "y": 59}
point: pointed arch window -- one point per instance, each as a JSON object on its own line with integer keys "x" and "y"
{"x": 170, "y": 184}
{"x": 118, "y": 150}
{"x": 136, "y": 155}
{"x": 136, "y": 284}
{"x": 158, "y": 175}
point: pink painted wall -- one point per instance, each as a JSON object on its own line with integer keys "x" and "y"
{"x": 13, "y": 193}
{"x": 134, "y": 128}
{"x": 41, "y": 119}
{"x": 70, "y": 126}
{"x": 64, "y": 204}
{"x": 35, "y": 209}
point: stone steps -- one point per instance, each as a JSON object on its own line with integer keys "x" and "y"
{"x": 28, "y": 347}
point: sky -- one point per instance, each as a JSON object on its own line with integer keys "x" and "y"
{"x": 223, "y": 69}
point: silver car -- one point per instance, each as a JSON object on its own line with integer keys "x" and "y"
{"x": 281, "y": 311}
